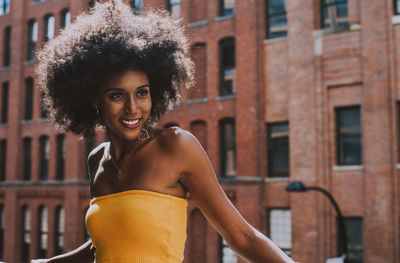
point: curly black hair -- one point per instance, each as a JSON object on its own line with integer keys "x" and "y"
{"x": 108, "y": 40}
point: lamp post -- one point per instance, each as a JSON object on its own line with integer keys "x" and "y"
{"x": 299, "y": 187}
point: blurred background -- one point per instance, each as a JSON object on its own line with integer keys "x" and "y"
{"x": 287, "y": 90}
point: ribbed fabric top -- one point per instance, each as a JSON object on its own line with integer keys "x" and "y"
{"x": 138, "y": 226}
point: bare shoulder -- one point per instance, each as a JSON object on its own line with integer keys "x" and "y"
{"x": 175, "y": 139}
{"x": 96, "y": 154}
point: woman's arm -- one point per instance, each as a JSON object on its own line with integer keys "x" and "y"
{"x": 82, "y": 254}
{"x": 199, "y": 178}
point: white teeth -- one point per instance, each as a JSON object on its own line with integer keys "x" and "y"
{"x": 130, "y": 122}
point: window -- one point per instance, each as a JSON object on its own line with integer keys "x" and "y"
{"x": 2, "y": 228}
{"x": 137, "y": 5}
{"x": 278, "y": 150}
{"x": 397, "y": 7}
{"x": 348, "y": 136}
{"x": 199, "y": 55}
{"x": 226, "y": 7}
{"x": 354, "y": 234}
{"x": 334, "y": 14}
{"x": 276, "y": 18}
{"x": 38, "y": 1}
{"x": 26, "y": 159}
{"x": 65, "y": 18}
{"x": 49, "y": 27}
{"x": 26, "y": 233}
{"x": 44, "y": 113}
{"x": 280, "y": 228}
{"x": 90, "y": 144}
{"x": 228, "y": 147}
{"x": 226, "y": 254}
{"x": 28, "y": 113}
{"x": 7, "y": 47}
{"x": 44, "y": 156}
{"x": 43, "y": 232}
{"x": 4, "y": 103}
{"x": 3, "y": 159}
{"x": 174, "y": 7}
{"x": 32, "y": 39}
{"x": 227, "y": 66}
{"x": 171, "y": 124}
{"x": 59, "y": 231}
{"x": 4, "y": 7}
{"x": 60, "y": 166}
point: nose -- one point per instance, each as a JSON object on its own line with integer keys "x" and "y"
{"x": 130, "y": 105}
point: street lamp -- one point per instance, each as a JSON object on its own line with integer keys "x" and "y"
{"x": 299, "y": 187}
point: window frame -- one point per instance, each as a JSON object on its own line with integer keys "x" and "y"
{"x": 5, "y": 95}
{"x": 4, "y": 7}
{"x": 223, "y": 44}
{"x": 26, "y": 158}
{"x": 3, "y": 160}
{"x": 7, "y": 46}
{"x": 396, "y": 6}
{"x": 59, "y": 230}
{"x": 26, "y": 228}
{"x": 338, "y": 137}
{"x": 224, "y": 11}
{"x": 44, "y": 157}
{"x": 322, "y": 8}
{"x": 43, "y": 231}
{"x": 28, "y": 103}
{"x": 269, "y": 17}
{"x": 63, "y": 15}
{"x": 60, "y": 158}
{"x": 270, "y": 172}
{"x": 287, "y": 251}
{"x": 224, "y": 148}
{"x": 32, "y": 39}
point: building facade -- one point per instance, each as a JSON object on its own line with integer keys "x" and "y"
{"x": 285, "y": 91}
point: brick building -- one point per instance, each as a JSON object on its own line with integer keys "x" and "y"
{"x": 313, "y": 81}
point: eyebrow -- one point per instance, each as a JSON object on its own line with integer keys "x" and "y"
{"x": 140, "y": 87}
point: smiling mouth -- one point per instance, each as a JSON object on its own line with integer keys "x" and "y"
{"x": 130, "y": 123}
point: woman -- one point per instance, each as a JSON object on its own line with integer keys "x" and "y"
{"x": 120, "y": 71}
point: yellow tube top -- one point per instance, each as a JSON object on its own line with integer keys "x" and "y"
{"x": 137, "y": 226}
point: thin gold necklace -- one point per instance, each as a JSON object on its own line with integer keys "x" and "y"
{"x": 129, "y": 155}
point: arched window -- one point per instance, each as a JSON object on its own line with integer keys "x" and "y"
{"x": 60, "y": 165}
{"x": 227, "y": 66}
{"x": 199, "y": 130}
{"x": 227, "y": 147}
{"x": 59, "y": 231}
{"x": 4, "y": 102}
{"x": 26, "y": 158}
{"x": 32, "y": 39}
{"x": 26, "y": 233}
{"x": 43, "y": 232}
{"x": 65, "y": 18}
{"x": 49, "y": 27}
{"x": 44, "y": 156}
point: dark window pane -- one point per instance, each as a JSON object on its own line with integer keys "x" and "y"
{"x": 276, "y": 7}
{"x": 348, "y": 123}
{"x": 396, "y": 7}
{"x": 4, "y": 102}
{"x": 276, "y": 21}
{"x": 28, "y": 99}
{"x": 228, "y": 147}
{"x": 65, "y": 18}
{"x": 226, "y": 7}
{"x": 227, "y": 66}
{"x": 3, "y": 159}
{"x": 60, "y": 166}
{"x": 7, "y": 47}
{"x": 355, "y": 244}
{"x": 43, "y": 232}
{"x": 44, "y": 156}
{"x": 137, "y": 5}
{"x": 26, "y": 159}
{"x": 278, "y": 150}
{"x": 59, "y": 231}
{"x": 4, "y": 7}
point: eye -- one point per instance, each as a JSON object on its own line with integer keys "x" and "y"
{"x": 116, "y": 95}
{"x": 143, "y": 93}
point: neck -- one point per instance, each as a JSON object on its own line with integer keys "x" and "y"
{"x": 119, "y": 148}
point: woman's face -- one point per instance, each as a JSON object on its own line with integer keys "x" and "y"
{"x": 125, "y": 104}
